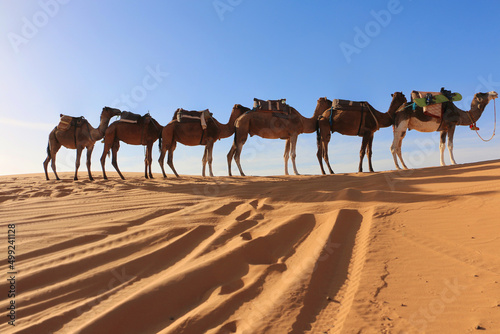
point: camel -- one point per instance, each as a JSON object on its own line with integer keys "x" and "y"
{"x": 192, "y": 134}
{"x": 77, "y": 136}
{"x": 268, "y": 125}
{"x": 145, "y": 132}
{"x": 362, "y": 120}
{"x": 416, "y": 120}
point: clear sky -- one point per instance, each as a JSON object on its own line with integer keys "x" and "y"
{"x": 75, "y": 57}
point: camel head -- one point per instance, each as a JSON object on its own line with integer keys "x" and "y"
{"x": 322, "y": 105}
{"x": 399, "y": 98}
{"x": 480, "y": 100}
{"x": 239, "y": 109}
{"x": 110, "y": 112}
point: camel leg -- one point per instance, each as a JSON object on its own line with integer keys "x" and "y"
{"x": 394, "y": 147}
{"x": 148, "y": 161}
{"x": 293, "y": 153}
{"x": 323, "y": 138}
{"x": 319, "y": 155}
{"x": 204, "y": 160}
{"x": 400, "y": 144}
{"x": 210, "y": 147}
{"x": 79, "y": 150}
{"x": 286, "y": 155}
{"x": 46, "y": 162}
{"x": 89, "y": 158}
{"x": 369, "y": 152}
{"x": 237, "y": 155}
{"x": 45, "y": 165}
{"x": 170, "y": 158}
{"x": 442, "y": 143}
{"x": 105, "y": 152}
{"x": 51, "y": 155}
{"x": 237, "y": 158}
{"x": 161, "y": 159}
{"x": 399, "y": 134}
{"x": 451, "y": 132}
{"x": 326, "y": 158}
{"x": 364, "y": 143}
{"x": 230, "y": 156}
{"x": 114, "y": 157}
{"x": 146, "y": 158}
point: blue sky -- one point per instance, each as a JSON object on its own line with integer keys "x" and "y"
{"x": 75, "y": 57}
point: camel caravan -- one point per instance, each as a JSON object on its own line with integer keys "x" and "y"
{"x": 271, "y": 119}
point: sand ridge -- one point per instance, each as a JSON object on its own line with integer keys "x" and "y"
{"x": 391, "y": 252}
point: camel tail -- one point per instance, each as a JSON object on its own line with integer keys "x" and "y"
{"x": 159, "y": 142}
{"x": 48, "y": 149}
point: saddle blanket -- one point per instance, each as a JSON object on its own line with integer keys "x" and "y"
{"x": 193, "y": 115}
{"x": 129, "y": 117}
{"x": 347, "y": 105}
{"x": 271, "y": 105}
{"x": 66, "y": 121}
{"x": 434, "y": 110}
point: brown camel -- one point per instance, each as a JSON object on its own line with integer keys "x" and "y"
{"x": 416, "y": 119}
{"x": 145, "y": 132}
{"x": 268, "y": 125}
{"x": 78, "y": 136}
{"x": 192, "y": 134}
{"x": 362, "y": 120}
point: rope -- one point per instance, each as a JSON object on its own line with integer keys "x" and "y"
{"x": 475, "y": 128}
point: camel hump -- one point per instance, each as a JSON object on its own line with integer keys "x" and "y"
{"x": 65, "y": 122}
{"x": 348, "y": 105}
{"x": 271, "y": 105}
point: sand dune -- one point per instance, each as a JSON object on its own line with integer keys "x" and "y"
{"x": 392, "y": 252}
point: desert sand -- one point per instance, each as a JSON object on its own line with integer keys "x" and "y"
{"x": 413, "y": 251}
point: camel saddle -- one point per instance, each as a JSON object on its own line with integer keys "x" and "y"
{"x": 274, "y": 106}
{"x": 339, "y": 104}
{"x": 183, "y": 116}
{"x": 433, "y": 110}
{"x": 66, "y": 122}
{"x": 130, "y": 117}
{"x": 358, "y": 106}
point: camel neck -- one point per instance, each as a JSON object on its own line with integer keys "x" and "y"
{"x": 98, "y": 134}
{"x": 310, "y": 124}
{"x": 227, "y": 130}
{"x": 471, "y": 116}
